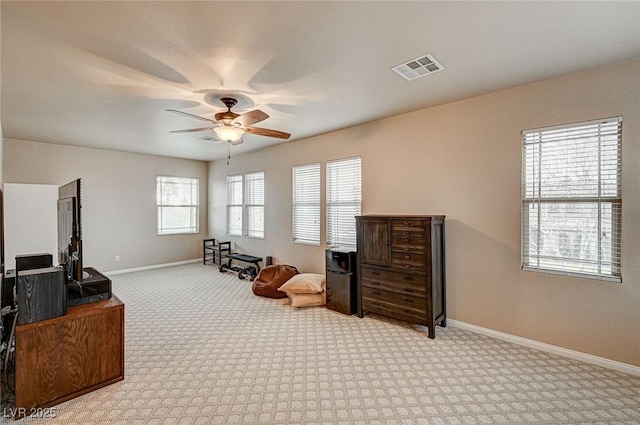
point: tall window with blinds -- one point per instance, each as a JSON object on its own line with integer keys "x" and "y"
{"x": 571, "y": 199}
{"x": 177, "y": 200}
{"x": 344, "y": 199}
{"x": 234, "y": 205}
{"x": 306, "y": 203}
{"x": 254, "y": 204}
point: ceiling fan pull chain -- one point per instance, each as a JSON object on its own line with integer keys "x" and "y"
{"x": 228, "y": 153}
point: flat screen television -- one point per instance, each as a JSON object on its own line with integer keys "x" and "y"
{"x": 70, "y": 229}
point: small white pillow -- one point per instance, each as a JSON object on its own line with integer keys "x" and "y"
{"x": 304, "y": 283}
{"x": 307, "y": 300}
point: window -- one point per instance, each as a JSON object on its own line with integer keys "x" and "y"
{"x": 234, "y": 205}
{"x": 245, "y": 208}
{"x": 344, "y": 199}
{"x": 571, "y": 199}
{"x": 178, "y": 204}
{"x": 254, "y": 204}
{"x": 306, "y": 204}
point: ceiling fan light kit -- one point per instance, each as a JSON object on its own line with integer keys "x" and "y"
{"x": 229, "y": 133}
{"x": 230, "y": 127}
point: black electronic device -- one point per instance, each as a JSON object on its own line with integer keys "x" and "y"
{"x": 84, "y": 285}
{"x": 94, "y": 287}
{"x": 70, "y": 229}
{"x": 8, "y": 288}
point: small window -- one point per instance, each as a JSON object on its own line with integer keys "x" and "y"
{"x": 178, "y": 205}
{"x": 306, "y": 204}
{"x": 571, "y": 199}
{"x": 254, "y": 204}
{"x": 344, "y": 199}
{"x": 245, "y": 205}
{"x": 234, "y": 205}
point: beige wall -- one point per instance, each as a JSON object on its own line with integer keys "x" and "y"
{"x": 2, "y": 256}
{"x": 119, "y": 199}
{"x": 1, "y": 154}
{"x": 2, "y": 246}
{"x": 463, "y": 160}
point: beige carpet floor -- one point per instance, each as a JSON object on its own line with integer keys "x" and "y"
{"x": 201, "y": 348}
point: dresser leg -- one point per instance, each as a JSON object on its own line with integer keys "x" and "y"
{"x": 432, "y": 331}
{"x": 443, "y": 323}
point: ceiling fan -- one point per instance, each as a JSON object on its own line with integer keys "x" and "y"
{"x": 230, "y": 127}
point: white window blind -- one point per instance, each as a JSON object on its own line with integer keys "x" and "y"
{"x": 306, "y": 204}
{"x": 571, "y": 199}
{"x": 344, "y": 199}
{"x": 254, "y": 204}
{"x": 177, "y": 204}
{"x": 234, "y": 205}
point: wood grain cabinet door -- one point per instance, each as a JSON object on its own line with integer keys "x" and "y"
{"x": 374, "y": 245}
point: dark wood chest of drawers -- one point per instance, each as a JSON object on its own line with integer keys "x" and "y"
{"x": 401, "y": 268}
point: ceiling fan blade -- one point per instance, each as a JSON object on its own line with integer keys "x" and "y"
{"x": 251, "y": 117}
{"x": 267, "y": 132}
{"x": 191, "y": 130}
{"x": 190, "y": 115}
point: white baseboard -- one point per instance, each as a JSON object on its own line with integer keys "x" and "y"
{"x": 548, "y": 348}
{"x": 155, "y": 266}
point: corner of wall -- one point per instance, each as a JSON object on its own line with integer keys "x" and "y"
{"x": 1, "y": 156}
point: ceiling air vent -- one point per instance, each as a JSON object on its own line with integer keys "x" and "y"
{"x": 418, "y": 67}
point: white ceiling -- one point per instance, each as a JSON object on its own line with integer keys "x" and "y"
{"x": 101, "y": 74}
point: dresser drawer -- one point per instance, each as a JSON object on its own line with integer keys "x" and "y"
{"x": 393, "y": 281}
{"x": 401, "y": 300}
{"x": 413, "y": 228}
{"x": 408, "y": 244}
{"x": 409, "y": 261}
{"x": 378, "y": 304}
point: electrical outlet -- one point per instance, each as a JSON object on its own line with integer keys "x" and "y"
{"x": 117, "y": 258}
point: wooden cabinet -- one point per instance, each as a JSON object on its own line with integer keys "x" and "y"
{"x": 401, "y": 268}
{"x": 374, "y": 248}
{"x": 67, "y": 356}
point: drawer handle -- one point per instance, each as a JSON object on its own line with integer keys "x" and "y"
{"x": 407, "y": 249}
{"x": 408, "y": 311}
{"x": 409, "y": 278}
{"x": 408, "y": 290}
{"x": 407, "y": 266}
{"x": 406, "y": 232}
{"x": 408, "y": 300}
{"x": 374, "y": 303}
{"x": 406, "y": 223}
{"x": 407, "y": 256}
{"x": 375, "y": 283}
{"x": 376, "y": 293}
{"x": 375, "y": 273}
{"x": 407, "y": 240}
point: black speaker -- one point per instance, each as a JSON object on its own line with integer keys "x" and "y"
{"x": 33, "y": 261}
{"x": 8, "y": 284}
{"x": 42, "y": 294}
